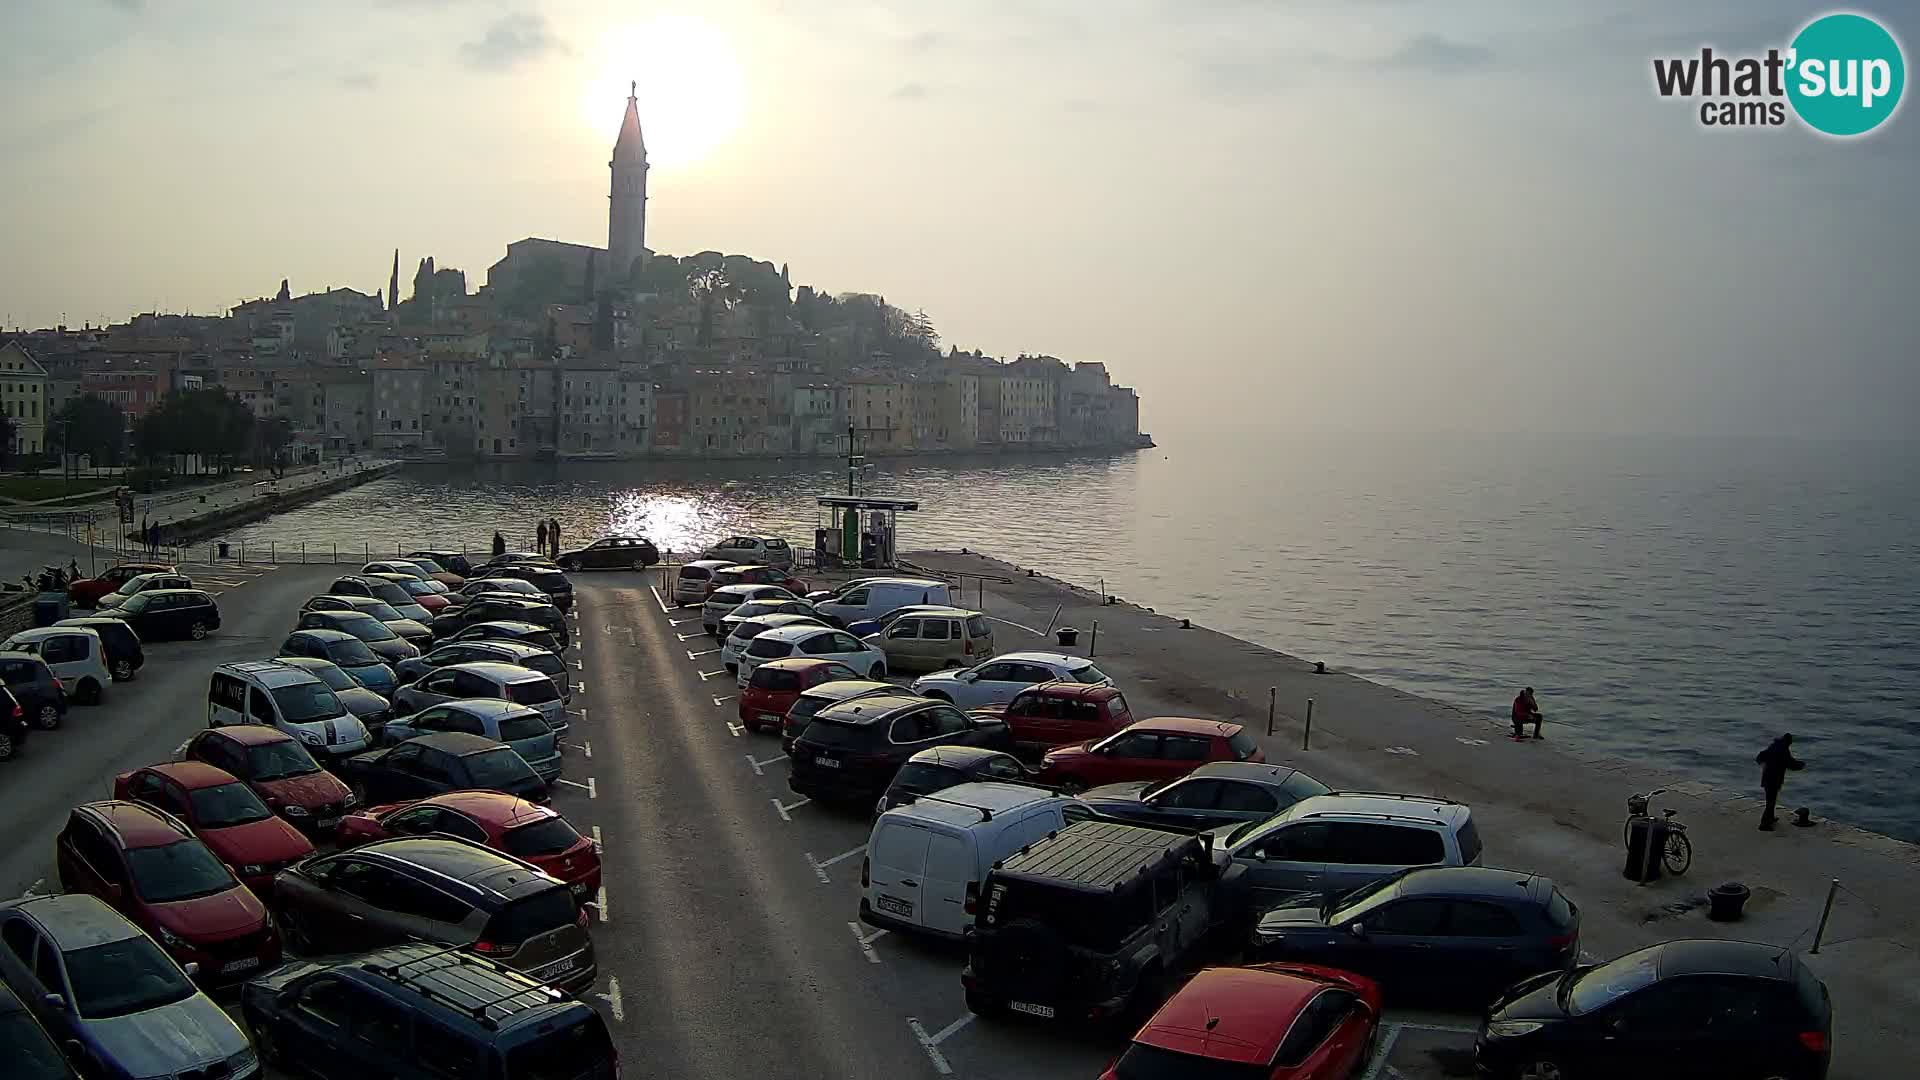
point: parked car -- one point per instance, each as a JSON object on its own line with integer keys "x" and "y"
{"x": 124, "y": 652}
{"x": 553, "y": 584}
{"x": 754, "y": 609}
{"x": 812, "y": 700}
{"x": 451, "y": 561}
{"x": 1333, "y": 844}
{"x": 107, "y": 993}
{"x": 86, "y": 592}
{"x": 279, "y": 770}
{"x": 933, "y": 639}
{"x": 462, "y": 1014}
{"x": 874, "y": 626}
{"x": 776, "y": 685}
{"x": 927, "y": 857}
{"x": 722, "y": 601}
{"x": 1680, "y": 1008}
{"x": 483, "y": 679}
{"x": 170, "y": 614}
{"x": 433, "y": 764}
{"x": 1001, "y": 678}
{"x": 1061, "y": 714}
{"x": 140, "y": 583}
{"x": 691, "y": 579}
{"x": 432, "y": 596}
{"x": 35, "y": 688}
{"x": 766, "y": 550}
{"x": 740, "y": 634}
{"x": 75, "y": 655}
{"x": 410, "y": 630}
{"x": 931, "y": 772}
{"x": 14, "y": 727}
{"x": 372, "y": 710}
{"x": 1277, "y": 1021}
{"x": 611, "y": 553}
{"x": 282, "y": 696}
{"x": 351, "y": 654}
{"x": 513, "y": 630}
{"x": 873, "y": 597}
{"x": 378, "y": 588}
{"x": 501, "y": 609}
{"x": 227, "y": 815}
{"x": 513, "y": 558}
{"x": 511, "y": 586}
{"x": 427, "y": 569}
{"x": 849, "y": 752}
{"x": 805, "y": 640}
{"x": 500, "y": 651}
{"x": 1162, "y": 748}
{"x": 502, "y": 822}
{"x": 26, "y": 1047}
{"x": 520, "y": 726}
{"x": 1094, "y": 922}
{"x": 390, "y": 647}
{"x": 455, "y": 892}
{"x": 147, "y": 865}
{"x": 755, "y": 575}
{"x": 1217, "y": 793}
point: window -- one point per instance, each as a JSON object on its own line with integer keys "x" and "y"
{"x": 904, "y": 628}
{"x": 259, "y": 706}
{"x": 381, "y": 1029}
{"x": 1186, "y": 747}
{"x": 326, "y": 1000}
{"x": 947, "y": 720}
{"x": 20, "y": 939}
{"x": 1003, "y": 768}
{"x": 415, "y": 821}
{"x": 417, "y": 898}
{"x": 87, "y": 843}
{"x": 914, "y": 727}
{"x": 443, "y": 1054}
{"x": 1242, "y": 745}
{"x": 1471, "y": 919}
{"x": 362, "y": 880}
{"x": 1469, "y": 838}
{"x": 1298, "y": 843}
{"x": 1133, "y": 744}
{"x": 1320, "y": 1019}
{"x": 64, "y": 648}
{"x": 1237, "y": 795}
{"x": 937, "y": 630}
{"x": 1372, "y": 844}
{"x": 1412, "y": 918}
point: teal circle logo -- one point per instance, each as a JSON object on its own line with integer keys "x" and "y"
{"x": 1845, "y": 74}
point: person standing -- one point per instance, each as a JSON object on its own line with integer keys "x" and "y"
{"x": 541, "y": 533}
{"x": 499, "y": 544}
{"x": 1774, "y": 763}
{"x": 1526, "y": 710}
{"x": 553, "y": 534}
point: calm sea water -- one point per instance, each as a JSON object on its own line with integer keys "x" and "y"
{"x": 1679, "y": 601}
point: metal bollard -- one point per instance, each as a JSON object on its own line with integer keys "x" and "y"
{"x": 1273, "y": 695}
{"x": 1832, "y": 887}
{"x": 1306, "y": 735}
{"x": 1094, "y": 639}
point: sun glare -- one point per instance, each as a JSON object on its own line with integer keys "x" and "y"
{"x": 691, "y": 88}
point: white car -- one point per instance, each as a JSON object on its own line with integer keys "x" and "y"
{"x": 690, "y": 583}
{"x": 727, "y": 597}
{"x": 822, "y": 642}
{"x": 76, "y": 655}
{"x": 1000, "y": 678}
{"x": 764, "y": 550}
{"x": 743, "y": 633}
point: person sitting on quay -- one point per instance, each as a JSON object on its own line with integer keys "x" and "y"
{"x": 1526, "y": 710}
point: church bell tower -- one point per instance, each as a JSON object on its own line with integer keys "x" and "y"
{"x": 627, "y": 209}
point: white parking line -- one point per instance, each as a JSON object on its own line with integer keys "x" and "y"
{"x": 690, "y": 637}
{"x": 1022, "y": 626}
{"x": 578, "y": 666}
{"x": 866, "y": 941}
{"x": 600, "y": 906}
{"x": 705, "y": 675}
{"x": 691, "y": 655}
{"x": 784, "y": 808}
{"x": 736, "y": 730}
{"x": 655, "y": 590}
{"x": 720, "y": 702}
{"x": 760, "y": 766}
{"x": 1381, "y": 1053}
{"x": 598, "y": 847}
{"x": 820, "y": 868}
{"x": 931, "y": 1043}
{"x": 612, "y": 998}
{"x": 593, "y": 792}
{"x": 1451, "y": 1029}
{"x": 579, "y": 688}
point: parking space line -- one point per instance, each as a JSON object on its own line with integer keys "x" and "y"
{"x": 1381, "y": 1053}
{"x": 612, "y": 998}
{"x": 579, "y": 688}
{"x": 578, "y": 666}
{"x": 866, "y": 941}
{"x": 683, "y": 622}
{"x": 691, "y": 655}
{"x": 705, "y": 675}
{"x": 593, "y": 792}
{"x": 760, "y": 766}
{"x": 655, "y": 590}
{"x": 690, "y": 637}
{"x": 820, "y": 868}
{"x": 598, "y": 847}
{"x": 784, "y": 809}
{"x": 733, "y": 729}
{"x": 600, "y": 906}
{"x": 581, "y": 713}
{"x": 1451, "y": 1029}
{"x": 720, "y": 702}
{"x": 932, "y": 1045}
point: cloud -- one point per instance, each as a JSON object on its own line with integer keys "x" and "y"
{"x": 1431, "y": 52}
{"x": 912, "y": 91}
{"x": 511, "y": 40}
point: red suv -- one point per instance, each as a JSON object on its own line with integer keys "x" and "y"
{"x": 1058, "y": 713}
{"x": 145, "y": 864}
{"x": 500, "y": 821}
{"x": 1278, "y": 1021}
{"x": 777, "y": 684}
{"x": 279, "y": 770}
{"x": 754, "y": 574}
{"x": 224, "y": 813}
{"x": 1159, "y": 749}
{"x": 87, "y": 592}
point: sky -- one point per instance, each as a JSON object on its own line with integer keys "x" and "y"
{"x": 1364, "y": 216}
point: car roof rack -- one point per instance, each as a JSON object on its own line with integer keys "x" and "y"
{"x": 476, "y": 1007}
{"x": 914, "y": 797}
{"x": 1375, "y": 815}
{"x": 1396, "y": 795}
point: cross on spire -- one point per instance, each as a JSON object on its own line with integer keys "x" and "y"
{"x": 633, "y": 90}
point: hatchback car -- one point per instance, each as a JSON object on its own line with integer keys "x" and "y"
{"x": 811, "y": 701}
{"x": 1272, "y": 1021}
{"x": 125, "y": 656}
{"x": 76, "y": 654}
{"x": 1000, "y": 678}
{"x": 147, "y": 865}
{"x": 434, "y": 764}
{"x": 1062, "y": 713}
{"x": 1162, "y": 748}
{"x": 1217, "y": 793}
{"x": 410, "y": 630}
{"x": 444, "y": 889}
{"x": 612, "y": 553}
{"x": 498, "y": 651}
{"x": 753, "y": 609}
{"x": 279, "y": 770}
{"x": 14, "y": 727}
{"x": 515, "y": 558}
{"x": 740, "y": 634}
{"x": 483, "y": 679}
{"x": 170, "y": 614}
{"x": 104, "y": 990}
{"x": 515, "y": 630}
{"x": 87, "y": 592}
{"x": 369, "y": 708}
{"x": 932, "y": 771}
{"x": 432, "y": 596}
{"x": 721, "y": 602}
{"x": 850, "y": 752}
{"x": 390, "y": 647}
{"x": 511, "y": 586}
{"x": 777, "y": 684}
{"x": 379, "y": 588}
{"x": 451, "y": 561}
{"x": 1333, "y": 844}
{"x": 521, "y": 727}
{"x": 25, "y": 1046}
{"x": 355, "y": 657}
{"x": 502, "y": 822}
{"x": 426, "y": 569}
{"x": 501, "y": 609}
{"x": 764, "y": 550}
{"x": 138, "y": 584}
{"x": 755, "y": 575}
{"x": 825, "y": 643}
{"x": 690, "y": 580}
{"x": 553, "y": 584}
{"x": 35, "y": 688}
{"x": 227, "y": 815}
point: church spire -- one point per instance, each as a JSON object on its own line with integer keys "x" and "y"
{"x": 627, "y": 202}
{"x": 631, "y": 143}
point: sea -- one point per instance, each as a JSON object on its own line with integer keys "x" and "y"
{"x": 1677, "y": 601}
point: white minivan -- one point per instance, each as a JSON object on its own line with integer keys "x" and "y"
{"x": 874, "y": 598}
{"x": 75, "y": 654}
{"x": 926, "y": 860}
{"x": 289, "y": 698}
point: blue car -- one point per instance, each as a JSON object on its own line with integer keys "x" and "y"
{"x": 349, "y": 653}
{"x": 95, "y": 980}
{"x": 521, "y": 727}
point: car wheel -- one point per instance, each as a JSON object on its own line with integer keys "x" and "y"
{"x": 89, "y": 693}
{"x": 570, "y": 565}
{"x": 877, "y": 672}
{"x": 198, "y": 630}
{"x": 1540, "y": 1070}
{"x": 639, "y": 564}
{"x": 47, "y": 717}
{"x": 122, "y": 670}
{"x": 6, "y": 746}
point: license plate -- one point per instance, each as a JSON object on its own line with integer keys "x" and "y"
{"x": 328, "y": 822}
{"x": 558, "y": 967}
{"x": 827, "y": 762}
{"x": 894, "y": 906}
{"x": 240, "y": 965}
{"x": 771, "y": 718}
{"x": 1044, "y": 1012}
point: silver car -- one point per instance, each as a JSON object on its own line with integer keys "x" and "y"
{"x": 1000, "y": 678}
{"x": 483, "y": 679}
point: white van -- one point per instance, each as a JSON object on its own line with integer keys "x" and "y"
{"x": 286, "y": 697}
{"x": 881, "y": 595}
{"x": 926, "y": 860}
{"x": 76, "y": 655}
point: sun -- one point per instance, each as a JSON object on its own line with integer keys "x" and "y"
{"x": 691, "y": 88}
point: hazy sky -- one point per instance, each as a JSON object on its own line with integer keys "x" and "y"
{"x": 1363, "y": 216}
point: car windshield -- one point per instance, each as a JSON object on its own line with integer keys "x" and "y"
{"x": 1610, "y": 982}
{"x": 497, "y": 769}
{"x": 137, "y": 604}
{"x": 1143, "y": 1062}
{"x": 351, "y": 653}
{"x": 29, "y": 1054}
{"x": 769, "y": 648}
{"x": 806, "y": 706}
{"x": 388, "y": 592}
{"x": 923, "y": 778}
{"x": 280, "y": 760}
{"x": 532, "y": 916}
{"x": 331, "y": 675}
{"x": 544, "y": 663}
{"x": 749, "y": 630}
{"x": 520, "y": 728}
{"x": 305, "y": 702}
{"x": 1088, "y": 674}
{"x": 540, "y": 838}
{"x": 181, "y": 870}
{"x": 367, "y": 629}
{"x": 416, "y": 587}
{"x": 1351, "y": 903}
{"x": 532, "y": 692}
{"x": 227, "y": 805}
{"x": 579, "y": 1050}
{"x": 124, "y": 977}
{"x": 426, "y": 565}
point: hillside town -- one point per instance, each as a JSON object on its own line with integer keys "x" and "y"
{"x": 570, "y": 351}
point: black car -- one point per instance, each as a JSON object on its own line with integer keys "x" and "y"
{"x": 1690, "y": 1008}
{"x": 13, "y": 725}
{"x": 117, "y": 640}
{"x": 170, "y": 614}
{"x": 851, "y": 751}
{"x": 525, "y": 633}
{"x": 612, "y": 553}
{"x": 463, "y": 1015}
{"x": 949, "y": 766}
{"x": 26, "y": 1047}
{"x": 390, "y": 647}
{"x": 451, "y": 561}
{"x": 499, "y": 608}
{"x": 32, "y": 684}
{"x": 514, "y": 588}
{"x": 553, "y": 584}
{"x": 1215, "y": 794}
{"x": 435, "y": 764}
{"x": 1434, "y": 929}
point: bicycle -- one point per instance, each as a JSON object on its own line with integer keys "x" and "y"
{"x": 1676, "y": 852}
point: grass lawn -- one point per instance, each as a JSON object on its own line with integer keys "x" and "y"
{"x": 35, "y": 488}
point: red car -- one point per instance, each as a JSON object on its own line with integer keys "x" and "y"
{"x": 1059, "y": 713}
{"x": 224, "y": 813}
{"x": 777, "y": 684}
{"x": 1162, "y": 748}
{"x": 87, "y": 591}
{"x": 145, "y": 864}
{"x": 278, "y": 769}
{"x": 500, "y": 821}
{"x": 1277, "y": 1021}
{"x": 754, "y": 574}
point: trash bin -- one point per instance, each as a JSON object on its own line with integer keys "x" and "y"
{"x": 50, "y": 608}
{"x": 223, "y": 549}
{"x": 1642, "y": 864}
{"x": 1068, "y": 636}
{"x": 1724, "y": 902}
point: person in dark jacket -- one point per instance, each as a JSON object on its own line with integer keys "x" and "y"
{"x": 1526, "y": 711}
{"x": 541, "y": 535}
{"x": 499, "y": 544}
{"x": 1774, "y": 762}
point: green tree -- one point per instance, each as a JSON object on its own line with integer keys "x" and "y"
{"x": 92, "y": 425}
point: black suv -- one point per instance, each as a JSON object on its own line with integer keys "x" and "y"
{"x": 501, "y": 609}
{"x": 424, "y": 1012}
{"x": 851, "y": 751}
{"x": 1095, "y": 921}
{"x": 438, "y": 763}
{"x": 552, "y": 582}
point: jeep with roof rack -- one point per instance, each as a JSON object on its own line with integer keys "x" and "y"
{"x": 1095, "y": 921}
{"x": 425, "y": 1012}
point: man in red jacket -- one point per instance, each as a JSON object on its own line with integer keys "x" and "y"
{"x": 1526, "y": 710}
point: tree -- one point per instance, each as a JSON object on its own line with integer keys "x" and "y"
{"x": 209, "y": 422}
{"x": 92, "y": 425}
{"x": 9, "y": 430}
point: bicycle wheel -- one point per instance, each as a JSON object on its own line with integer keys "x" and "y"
{"x": 1678, "y": 854}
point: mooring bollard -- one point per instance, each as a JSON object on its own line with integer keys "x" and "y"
{"x": 1306, "y": 734}
{"x": 1094, "y": 639}
{"x": 1832, "y": 887}
{"x": 1273, "y": 696}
